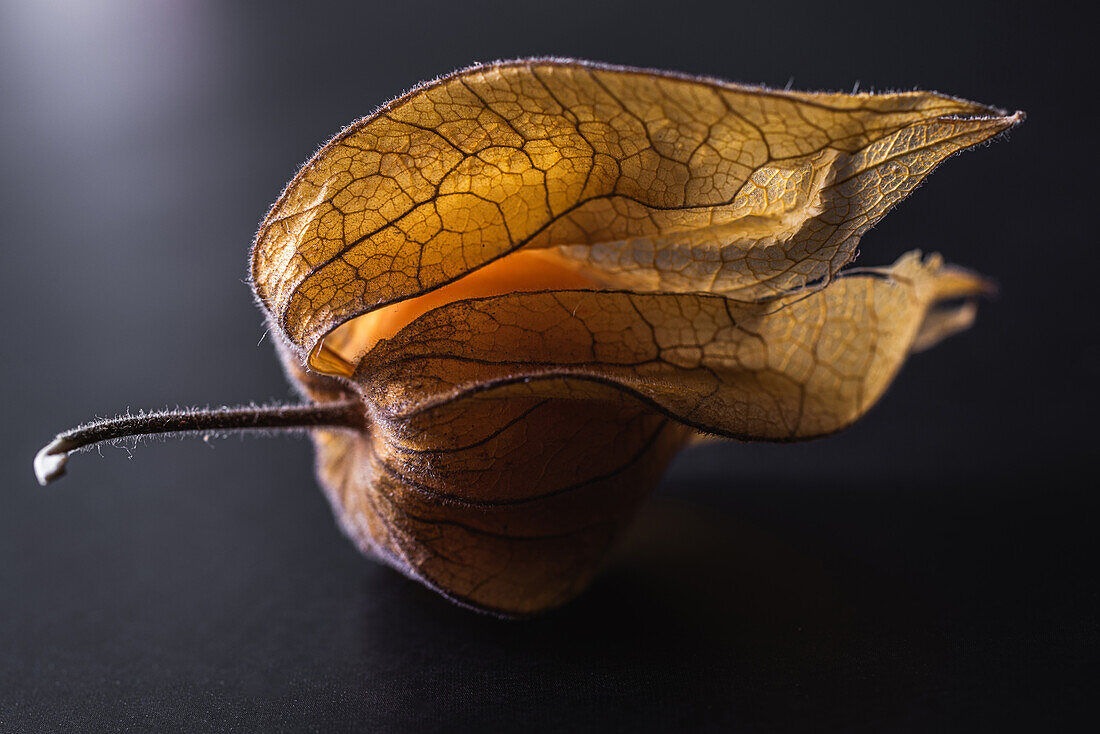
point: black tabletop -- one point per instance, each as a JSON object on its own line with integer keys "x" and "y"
{"x": 928, "y": 570}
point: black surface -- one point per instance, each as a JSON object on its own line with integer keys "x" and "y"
{"x": 928, "y": 570}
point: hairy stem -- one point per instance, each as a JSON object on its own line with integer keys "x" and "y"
{"x": 49, "y": 463}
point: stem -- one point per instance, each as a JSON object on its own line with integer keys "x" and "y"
{"x": 49, "y": 463}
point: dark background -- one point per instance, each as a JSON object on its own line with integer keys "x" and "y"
{"x": 925, "y": 570}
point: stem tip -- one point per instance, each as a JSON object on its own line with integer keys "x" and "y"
{"x": 49, "y": 463}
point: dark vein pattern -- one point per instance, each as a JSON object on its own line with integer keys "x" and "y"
{"x": 655, "y": 182}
